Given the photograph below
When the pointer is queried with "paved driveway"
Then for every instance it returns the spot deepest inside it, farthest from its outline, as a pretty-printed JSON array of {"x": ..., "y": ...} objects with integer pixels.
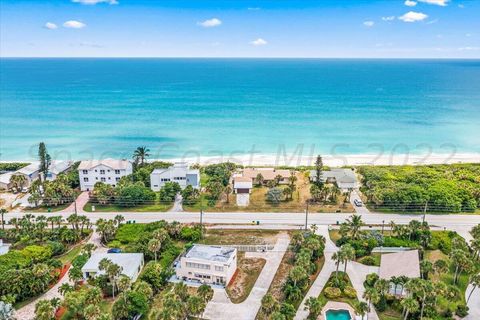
[
  {"x": 81, "y": 201},
  {"x": 359, "y": 210},
  {"x": 220, "y": 307}
]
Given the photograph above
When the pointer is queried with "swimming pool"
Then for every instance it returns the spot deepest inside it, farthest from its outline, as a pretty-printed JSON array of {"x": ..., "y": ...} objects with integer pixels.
[{"x": 338, "y": 315}]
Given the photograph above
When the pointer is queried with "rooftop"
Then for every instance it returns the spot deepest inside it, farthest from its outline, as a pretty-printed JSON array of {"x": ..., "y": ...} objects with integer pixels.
[
  {"x": 31, "y": 168},
  {"x": 405, "y": 263},
  {"x": 178, "y": 168},
  {"x": 267, "y": 173},
  {"x": 210, "y": 253},
  {"x": 128, "y": 261},
  {"x": 5, "y": 177},
  {"x": 57, "y": 167},
  {"x": 111, "y": 163}
]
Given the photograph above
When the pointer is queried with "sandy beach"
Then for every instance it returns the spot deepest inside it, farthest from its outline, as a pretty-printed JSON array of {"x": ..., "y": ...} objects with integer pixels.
[{"x": 334, "y": 160}]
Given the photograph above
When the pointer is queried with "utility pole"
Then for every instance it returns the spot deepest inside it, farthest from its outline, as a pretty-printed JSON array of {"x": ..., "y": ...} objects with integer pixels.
[
  {"x": 383, "y": 225},
  {"x": 201, "y": 223},
  {"x": 306, "y": 218},
  {"x": 425, "y": 211}
]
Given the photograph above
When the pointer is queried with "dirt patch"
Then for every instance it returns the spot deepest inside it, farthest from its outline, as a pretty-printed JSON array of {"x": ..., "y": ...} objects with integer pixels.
[
  {"x": 247, "y": 273},
  {"x": 236, "y": 237}
]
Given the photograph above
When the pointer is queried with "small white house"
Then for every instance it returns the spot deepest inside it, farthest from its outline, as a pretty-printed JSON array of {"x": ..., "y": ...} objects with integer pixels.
[
  {"x": 345, "y": 179},
  {"x": 179, "y": 172},
  {"x": 31, "y": 172},
  {"x": 5, "y": 180},
  {"x": 130, "y": 263},
  {"x": 56, "y": 168},
  {"x": 108, "y": 171},
  {"x": 242, "y": 187},
  {"x": 208, "y": 264}
]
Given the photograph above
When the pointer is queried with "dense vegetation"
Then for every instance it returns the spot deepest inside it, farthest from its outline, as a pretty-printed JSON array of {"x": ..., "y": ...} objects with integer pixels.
[
  {"x": 12, "y": 166},
  {"x": 31, "y": 265},
  {"x": 438, "y": 188},
  {"x": 308, "y": 248}
]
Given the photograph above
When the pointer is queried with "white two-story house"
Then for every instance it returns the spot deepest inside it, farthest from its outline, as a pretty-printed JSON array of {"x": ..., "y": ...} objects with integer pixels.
[
  {"x": 207, "y": 264},
  {"x": 108, "y": 171},
  {"x": 179, "y": 172}
]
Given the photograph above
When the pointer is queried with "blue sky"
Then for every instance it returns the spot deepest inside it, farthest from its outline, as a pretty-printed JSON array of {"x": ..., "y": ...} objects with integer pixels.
[{"x": 231, "y": 28}]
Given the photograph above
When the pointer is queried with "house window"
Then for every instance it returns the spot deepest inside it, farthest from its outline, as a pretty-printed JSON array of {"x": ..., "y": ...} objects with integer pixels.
[
  {"x": 102, "y": 179},
  {"x": 155, "y": 185},
  {"x": 108, "y": 170},
  {"x": 218, "y": 268},
  {"x": 117, "y": 179},
  {"x": 85, "y": 171},
  {"x": 102, "y": 171},
  {"x": 85, "y": 179},
  {"x": 164, "y": 179},
  {"x": 117, "y": 171},
  {"x": 198, "y": 265},
  {"x": 109, "y": 178}
]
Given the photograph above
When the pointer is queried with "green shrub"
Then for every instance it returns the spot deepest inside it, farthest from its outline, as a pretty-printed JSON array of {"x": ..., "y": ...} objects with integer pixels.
[
  {"x": 56, "y": 247},
  {"x": 332, "y": 293},
  {"x": 462, "y": 310},
  {"x": 350, "y": 292},
  {"x": 368, "y": 260},
  {"x": 397, "y": 242},
  {"x": 128, "y": 233},
  {"x": 442, "y": 240}
]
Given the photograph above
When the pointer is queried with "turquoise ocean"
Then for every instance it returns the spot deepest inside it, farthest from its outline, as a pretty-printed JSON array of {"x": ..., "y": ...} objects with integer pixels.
[{"x": 97, "y": 108}]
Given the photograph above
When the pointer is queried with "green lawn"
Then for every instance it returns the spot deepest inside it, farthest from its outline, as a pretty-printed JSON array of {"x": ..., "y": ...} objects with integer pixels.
[{"x": 115, "y": 208}]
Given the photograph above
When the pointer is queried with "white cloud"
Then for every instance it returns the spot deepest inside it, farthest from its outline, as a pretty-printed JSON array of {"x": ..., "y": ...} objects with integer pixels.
[
  {"x": 468, "y": 34},
  {"x": 413, "y": 16},
  {"x": 210, "y": 23},
  {"x": 253, "y": 8},
  {"x": 410, "y": 3},
  {"x": 259, "y": 42},
  {"x": 94, "y": 2},
  {"x": 468, "y": 48},
  {"x": 51, "y": 26},
  {"x": 74, "y": 24},
  {"x": 432, "y": 22},
  {"x": 461, "y": 6},
  {"x": 389, "y": 18},
  {"x": 368, "y": 23},
  {"x": 442, "y": 3}
]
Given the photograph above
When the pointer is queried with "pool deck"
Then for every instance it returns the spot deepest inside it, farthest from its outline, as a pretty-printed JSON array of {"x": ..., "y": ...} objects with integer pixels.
[{"x": 333, "y": 305}]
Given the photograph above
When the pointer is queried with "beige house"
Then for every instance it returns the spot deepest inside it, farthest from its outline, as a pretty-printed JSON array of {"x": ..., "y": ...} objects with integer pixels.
[
  {"x": 268, "y": 174},
  {"x": 207, "y": 264},
  {"x": 398, "y": 264},
  {"x": 242, "y": 187}
]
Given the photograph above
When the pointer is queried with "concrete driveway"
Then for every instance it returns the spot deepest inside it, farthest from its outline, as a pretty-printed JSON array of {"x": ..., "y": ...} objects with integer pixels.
[
  {"x": 80, "y": 202},
  {"x": 358, "y": 210},
  {"x": 220, "y": 307}
]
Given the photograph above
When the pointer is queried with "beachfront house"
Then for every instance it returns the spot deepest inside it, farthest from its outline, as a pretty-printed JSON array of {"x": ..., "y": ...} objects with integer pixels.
[
  {"x": 130, "y": 263},
  {"x": 399, "y": 264},
  {"x": 56, "y": 168},
  {"x": 242, "y": 187},
  {"x": 5, "y": 183},
  {"x": 108, "y": 171},
  {"x": 267, "y": 174},
  {"x": 180, "y": 172},
  {"x": 30, "y": 172},
  {"x": 207, "y": 264},
  {"x": 345, "y": 179}
]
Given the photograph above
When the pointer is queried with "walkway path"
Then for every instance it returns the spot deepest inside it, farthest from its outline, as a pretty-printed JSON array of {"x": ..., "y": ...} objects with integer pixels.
[
  {"x": 220, "y": 307},
  {"x": 357, "y": 273},
  {"x": 81, "y": 201},
  {"x": 27, "y": 312},
  {"x": 177, "y": 205}
]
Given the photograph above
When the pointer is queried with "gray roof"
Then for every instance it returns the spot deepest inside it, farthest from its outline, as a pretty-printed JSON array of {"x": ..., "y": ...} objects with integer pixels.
[
  {"x": 344, "y": 178},
  {"x": 405, "y": 263},
  {"x": 114, "y": 164},
  {"x": 128, "y": 261},
  {"x": 178, "y": 169},
  {"x": 57, "y": 167},
  {"x": 31, "y": 168},
  {"x": 210, "y": 253}
]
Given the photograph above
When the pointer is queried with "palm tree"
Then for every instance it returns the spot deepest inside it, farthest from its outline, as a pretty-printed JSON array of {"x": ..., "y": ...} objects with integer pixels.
[
  {"x": 259, "y": 179},
  {"x": 475, "y": 282},
  {"x": 205, "y": 292},
  {"x": 140, "y": 154},
  {"x": 440, "y": 266},
  {"x": 362, "y": 308},
  {"x": 354, "y": 224},
  {"x": 348, "y": 254},
  {"x": 426, "y": 267},
  {"x": 65, "y": 288},
  {"x": 409, "y": 305},
  {"x": 314, "y": 306},
  {"x": 18, "y": 181},
  {"x": 338, "y": 258},
  {"x": 269, "y": 304},
  {"x": 372, "y": 296},
  {"x": 154, "y": 246},
  {"x": 2, "y": 213}
]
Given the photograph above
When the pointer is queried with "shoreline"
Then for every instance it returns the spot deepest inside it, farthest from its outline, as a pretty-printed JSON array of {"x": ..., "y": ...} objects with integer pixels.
[{"x": 293, "y": 160}]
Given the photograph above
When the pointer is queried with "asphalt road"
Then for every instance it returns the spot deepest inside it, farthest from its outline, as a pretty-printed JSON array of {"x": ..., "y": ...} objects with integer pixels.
[{"x": 452, "y": 221}]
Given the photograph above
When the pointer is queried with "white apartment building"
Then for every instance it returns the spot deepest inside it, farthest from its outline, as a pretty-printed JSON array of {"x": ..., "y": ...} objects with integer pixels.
[
  {"x": 207, "y": 264},
  {"x": 108, "y": 171},
  {"x": 179, "y": 172}
]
